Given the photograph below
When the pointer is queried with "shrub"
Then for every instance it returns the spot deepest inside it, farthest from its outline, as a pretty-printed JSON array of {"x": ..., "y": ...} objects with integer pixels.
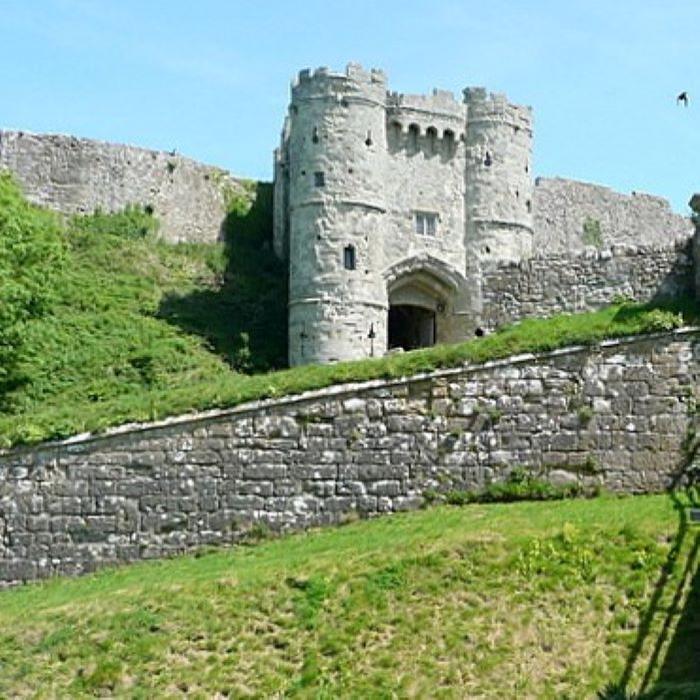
[
  {"x": 520, "y": 485},
  {"x": 31, "y": 255},
  {"x": 663, "y": 320}
]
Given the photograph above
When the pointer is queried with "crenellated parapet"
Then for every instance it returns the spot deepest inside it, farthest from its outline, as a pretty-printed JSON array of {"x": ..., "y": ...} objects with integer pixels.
[
  {"x": 495, "y": 107},
  {"x": 438, "y": 113},
  {"x": 355, "y": 83}
]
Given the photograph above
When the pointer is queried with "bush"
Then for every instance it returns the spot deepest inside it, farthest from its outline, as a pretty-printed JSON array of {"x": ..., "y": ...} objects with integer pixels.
[
  {"x": 662, "y": 320},
  {"x": 132, "y": 222},
  {"x": 520, "y": 485},
  {"x": 31, "y": 255}
]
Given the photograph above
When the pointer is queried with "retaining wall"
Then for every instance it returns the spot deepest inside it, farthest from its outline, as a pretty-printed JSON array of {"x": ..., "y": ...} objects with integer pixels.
[{"x": 616, "y": 414}]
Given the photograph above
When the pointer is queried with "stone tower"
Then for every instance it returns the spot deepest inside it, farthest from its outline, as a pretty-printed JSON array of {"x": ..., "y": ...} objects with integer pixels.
[
  {"x": 335, "y": 163},
  {"x": 389, "y": 206},
  {"x": 499, "y": 186}
]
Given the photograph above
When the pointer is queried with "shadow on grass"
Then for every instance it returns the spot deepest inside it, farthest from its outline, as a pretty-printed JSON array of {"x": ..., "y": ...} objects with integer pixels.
[
  {"x": 245, "y": 319},
  {"x": 678, "y": 640}
]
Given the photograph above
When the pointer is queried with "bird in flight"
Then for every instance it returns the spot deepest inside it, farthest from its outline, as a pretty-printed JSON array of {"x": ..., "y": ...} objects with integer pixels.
[{"x": 683, "y": 97}]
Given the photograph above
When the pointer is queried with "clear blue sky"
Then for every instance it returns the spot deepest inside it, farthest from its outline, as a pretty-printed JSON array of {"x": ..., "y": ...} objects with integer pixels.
[{"x": 211, "y": 77}]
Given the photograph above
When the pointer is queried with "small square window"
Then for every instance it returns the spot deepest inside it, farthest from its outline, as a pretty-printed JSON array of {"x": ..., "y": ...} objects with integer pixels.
[
  {"x": 426, "y": 223},
  {"x": 319, "y": 179}
]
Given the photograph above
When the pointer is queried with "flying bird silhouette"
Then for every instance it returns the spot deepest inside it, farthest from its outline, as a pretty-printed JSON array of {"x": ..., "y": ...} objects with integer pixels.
[{"x": 683, "y": 97}]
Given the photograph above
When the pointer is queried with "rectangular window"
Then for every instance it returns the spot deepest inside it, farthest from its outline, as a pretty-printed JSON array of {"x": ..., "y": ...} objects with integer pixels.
[
  {"x": 426, "y": 223},
  {"x": 349, "y": 257},
  {"x": 319, "y": 179}
]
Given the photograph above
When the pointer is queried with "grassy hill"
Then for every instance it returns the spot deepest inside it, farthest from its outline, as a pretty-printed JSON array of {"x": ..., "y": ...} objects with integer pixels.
[
  {"x": 137, "y": 329},
  {"x": 571, "y": 599}
]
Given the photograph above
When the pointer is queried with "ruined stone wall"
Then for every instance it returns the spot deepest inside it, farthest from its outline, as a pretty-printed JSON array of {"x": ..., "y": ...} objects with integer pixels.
[
  {"x": 616, "y": 415},
  {"x": 562, "y": 207},
  {"x": 584, "y": 282},
  {"x": 74, "y": 175}
]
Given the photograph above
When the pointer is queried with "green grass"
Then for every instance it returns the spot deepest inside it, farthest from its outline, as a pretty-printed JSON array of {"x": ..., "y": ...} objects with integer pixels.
[
  {"x": 558, "y": 600},
  {"x": 138, "y": 329},
  {"x": 101, "y": 366}
]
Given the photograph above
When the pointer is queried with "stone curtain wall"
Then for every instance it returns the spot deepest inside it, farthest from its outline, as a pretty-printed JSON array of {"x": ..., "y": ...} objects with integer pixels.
[
  {"x": 561, "y": 208},
  {"x": 74, "y": 175},
  {"x": 585, "y": 282},
  {"x": 615, "y": 414}
]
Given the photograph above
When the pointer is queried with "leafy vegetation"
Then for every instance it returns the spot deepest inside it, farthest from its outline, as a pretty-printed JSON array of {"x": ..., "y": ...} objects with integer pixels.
[
  {"x": 593, "y": 598},
  {"x": 31, "y": 256},
  {"x": 123, "y": 327},
  {"x": 520, "y": 485},
  {"x": 133, "y": 222}
]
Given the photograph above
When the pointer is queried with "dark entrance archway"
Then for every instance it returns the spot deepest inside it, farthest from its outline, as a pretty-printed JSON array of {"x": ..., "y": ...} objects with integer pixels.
[{"x": 411, "y": 327}]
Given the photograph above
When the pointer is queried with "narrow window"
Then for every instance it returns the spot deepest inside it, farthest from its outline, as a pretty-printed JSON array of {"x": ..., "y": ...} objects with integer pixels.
[
  {"x": 426, "y": 223},
  {"x": 314, "y": 136},
  {"x": 487, "y": 160},
  {"x": 349, "y": 261},
  {"x": 528, "y": 205},
  {"x": 319, "y": 179},
  {"x": 368, "y": 140}
]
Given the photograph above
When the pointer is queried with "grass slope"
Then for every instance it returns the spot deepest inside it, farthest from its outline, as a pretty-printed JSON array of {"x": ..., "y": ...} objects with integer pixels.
[
  {"x": 98, "y": 367},
  {"x": 558, "y": 600}
]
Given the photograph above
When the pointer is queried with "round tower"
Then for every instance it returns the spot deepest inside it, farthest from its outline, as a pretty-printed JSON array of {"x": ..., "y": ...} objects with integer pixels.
[
  {"x": 499, "y": 186},
  {"x": 336, "y": 164}
]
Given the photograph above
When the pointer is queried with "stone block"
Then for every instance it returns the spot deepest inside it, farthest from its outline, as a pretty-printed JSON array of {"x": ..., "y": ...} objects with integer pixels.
[
  {"x": 256, "y": 488},
  {"x": 265, "y": 471}
]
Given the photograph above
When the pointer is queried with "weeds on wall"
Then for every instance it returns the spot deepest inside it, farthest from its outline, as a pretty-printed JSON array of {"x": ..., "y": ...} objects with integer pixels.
[
  {"x": 592, "y": 234},
  {"x": 520, "y": 485}
]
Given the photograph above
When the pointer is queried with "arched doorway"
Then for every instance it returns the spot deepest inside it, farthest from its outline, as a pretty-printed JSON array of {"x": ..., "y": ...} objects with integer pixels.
[
  {"x": 411, "y": 327},
  {"x": 423, "y": 294}
]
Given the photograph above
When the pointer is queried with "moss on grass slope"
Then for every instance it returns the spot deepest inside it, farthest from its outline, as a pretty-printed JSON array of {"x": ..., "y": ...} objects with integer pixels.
[{"x": 565, "y": 599}]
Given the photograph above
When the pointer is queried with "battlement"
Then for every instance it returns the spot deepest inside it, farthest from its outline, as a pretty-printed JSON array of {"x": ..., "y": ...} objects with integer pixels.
[
  {"x": 439, "y": 102},
  {"x": 324, "y": 82},
  {"x": 494, "y": 106}
]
